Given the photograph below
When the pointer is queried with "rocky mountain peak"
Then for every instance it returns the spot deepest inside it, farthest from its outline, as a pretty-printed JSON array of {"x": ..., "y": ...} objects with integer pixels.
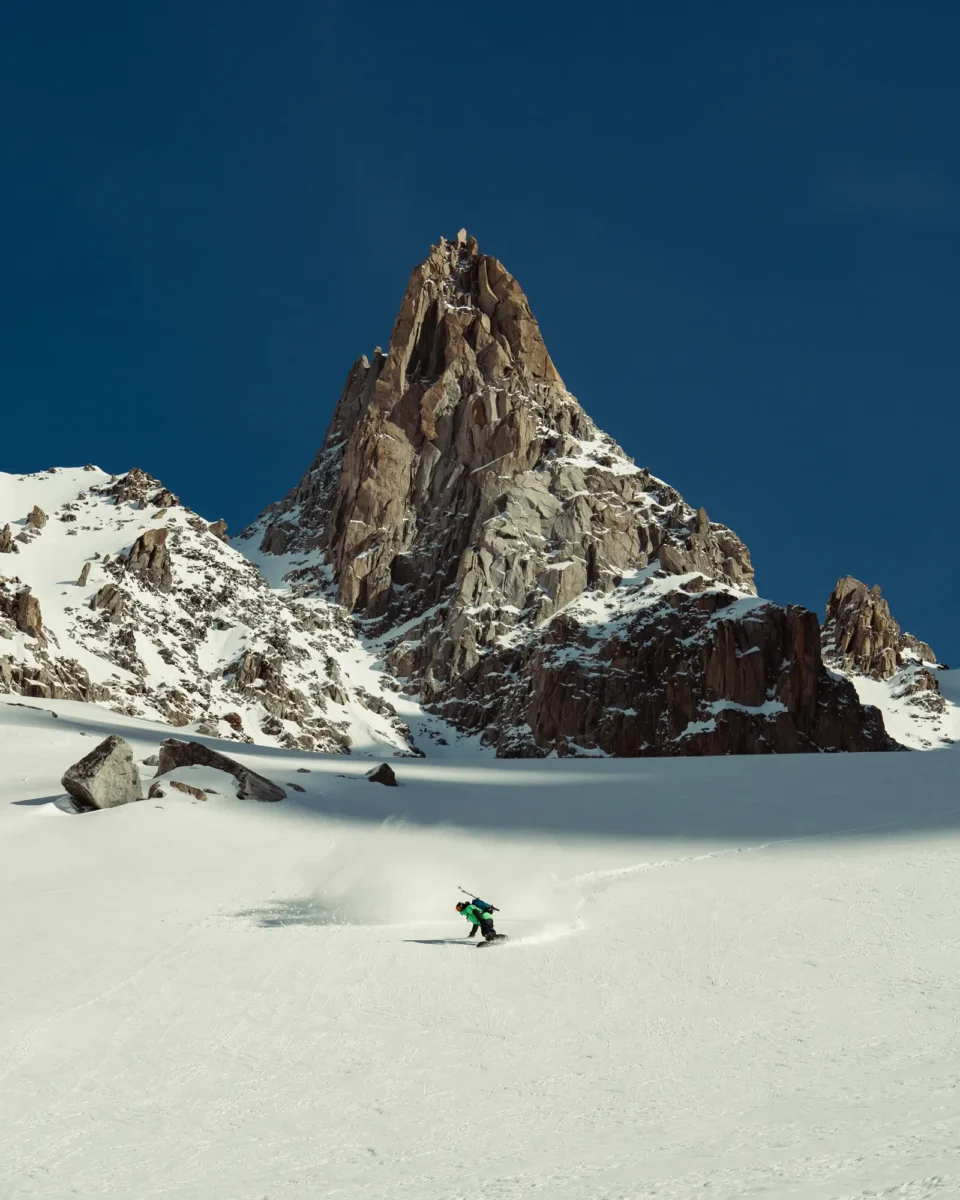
[
  {"x": 861, "y": 635},
  {"x": 521, "y": 575},
  {"x": 862, "y": 640}
]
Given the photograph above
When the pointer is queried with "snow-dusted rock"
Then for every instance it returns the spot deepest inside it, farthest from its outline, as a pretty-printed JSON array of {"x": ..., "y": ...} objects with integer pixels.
[
  {"x": 890, "y": 669},
  {"x": 106, "y": 777},
  {"x": 20, "y": 606},
  {"x": 467, "y": 554},
  {"x": 174, "y": 754},
  {"x": 524, "y": 578},
  {"x": 149, "y": 559},
  {"x": 221, "y": 646}
]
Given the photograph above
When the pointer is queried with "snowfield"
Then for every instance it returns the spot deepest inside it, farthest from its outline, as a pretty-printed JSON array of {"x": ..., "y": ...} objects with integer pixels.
[{"x": 726, "y": 978}]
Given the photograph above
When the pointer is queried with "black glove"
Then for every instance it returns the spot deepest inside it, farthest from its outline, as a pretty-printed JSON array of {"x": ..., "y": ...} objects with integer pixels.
[{"x": 473, "y": 931}]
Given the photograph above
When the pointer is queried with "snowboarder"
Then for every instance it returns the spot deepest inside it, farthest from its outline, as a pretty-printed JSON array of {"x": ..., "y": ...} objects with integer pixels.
[{"x": 479, "y": 914}]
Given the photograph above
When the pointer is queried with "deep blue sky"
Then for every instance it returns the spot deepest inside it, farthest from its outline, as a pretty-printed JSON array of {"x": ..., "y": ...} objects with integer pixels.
[{"x": 737, "y": 224}]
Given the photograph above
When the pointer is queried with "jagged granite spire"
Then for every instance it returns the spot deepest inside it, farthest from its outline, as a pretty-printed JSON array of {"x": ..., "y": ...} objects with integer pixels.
[{"x": 528, "y": 579}]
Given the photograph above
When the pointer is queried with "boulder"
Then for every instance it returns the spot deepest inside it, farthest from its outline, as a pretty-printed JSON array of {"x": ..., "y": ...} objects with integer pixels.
[
  {"x": 106, "y": 777},
  {"x": 36, "y": 518},
  {"x": 219, "y": 530},
  {"x": 7, "y": 544},
  {"x": 384, "y": 774},
  {"x": 152, "y": 760},
  {"x": 84, "y": 575},
  {"x": 174, "y": 753}
]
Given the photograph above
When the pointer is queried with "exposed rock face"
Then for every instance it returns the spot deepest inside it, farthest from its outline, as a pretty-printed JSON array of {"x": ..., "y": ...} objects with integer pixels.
[
  {"x": 50, "y": 679},
  {"x": 862, "y": 640},
  {"x": 21, "y": 607},
  {"x": 139, "y": 488},
  {"x": 704, "y": 674},
  {"x": 106, "y": 777},
  {"x": 36, "y": 518},
  {"x": 252, "y": 786},
  {"x": 149, "y": 560},
  {"x": 553, "y": 595},
  {"x": 7, "y": 543},
  {"x": 219, "y": 529},
  {"x": 27, "y": 616},
  {"x": 861, "y": 635},
  {"x": 110, "y": 600},
  {"x": 218, "y": 641}
]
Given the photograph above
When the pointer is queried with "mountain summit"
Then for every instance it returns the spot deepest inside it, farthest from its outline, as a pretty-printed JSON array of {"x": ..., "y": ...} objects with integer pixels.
[
  {"x": 468, "y": 556},
  {"x": 523, "y": 577}
]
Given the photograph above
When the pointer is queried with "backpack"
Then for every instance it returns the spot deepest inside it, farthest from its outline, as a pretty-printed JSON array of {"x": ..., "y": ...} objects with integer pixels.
[{"x": 482, "y": 905}]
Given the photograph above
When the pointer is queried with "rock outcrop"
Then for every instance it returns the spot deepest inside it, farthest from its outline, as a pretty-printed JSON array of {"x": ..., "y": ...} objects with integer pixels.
[
  {"x": 860, "y": 634},
  {"x": 251, "y": 786},
  {"x": 526, "y": 580},
  {"x": 7, "y": 543},
  {"x": 862, "y": 641},
  {"x": 106, "y": 777},
  {"x": 149, "y": 560},
  {"x": 109, "y": 600},
  {"x": 20, "y": 606},
  {"x": 173, "y": 624},
  {"x": 36, "y": 518}
]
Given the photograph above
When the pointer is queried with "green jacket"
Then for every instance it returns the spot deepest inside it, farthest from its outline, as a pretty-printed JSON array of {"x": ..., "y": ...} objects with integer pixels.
[{"x": 474, "y": 915}]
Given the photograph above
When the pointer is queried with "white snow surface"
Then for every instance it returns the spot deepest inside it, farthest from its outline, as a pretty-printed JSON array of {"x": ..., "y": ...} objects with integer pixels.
[{"x": 725, "y": 977}]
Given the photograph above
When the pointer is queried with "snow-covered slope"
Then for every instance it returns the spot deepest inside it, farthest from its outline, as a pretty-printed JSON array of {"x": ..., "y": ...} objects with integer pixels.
[
  {"x": 917, "y": 715},
  {"x": 728, "y": 977},
  {"x": 144, "y": 607}
]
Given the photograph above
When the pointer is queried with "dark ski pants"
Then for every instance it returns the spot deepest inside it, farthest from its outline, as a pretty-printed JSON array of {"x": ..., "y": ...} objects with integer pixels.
[{"x": 488, "y": 931}]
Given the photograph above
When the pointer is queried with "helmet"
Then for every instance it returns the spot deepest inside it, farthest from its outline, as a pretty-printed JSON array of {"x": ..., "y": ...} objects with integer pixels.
[{"x": 461, "y": 905}]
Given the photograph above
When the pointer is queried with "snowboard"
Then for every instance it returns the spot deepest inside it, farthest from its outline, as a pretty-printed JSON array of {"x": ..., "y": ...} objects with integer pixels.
[{"x": 501, "y": 937}]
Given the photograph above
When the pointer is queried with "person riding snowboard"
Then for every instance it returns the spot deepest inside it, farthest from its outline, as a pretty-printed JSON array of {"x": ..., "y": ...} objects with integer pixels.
[{"x": 480, "y": 917}]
